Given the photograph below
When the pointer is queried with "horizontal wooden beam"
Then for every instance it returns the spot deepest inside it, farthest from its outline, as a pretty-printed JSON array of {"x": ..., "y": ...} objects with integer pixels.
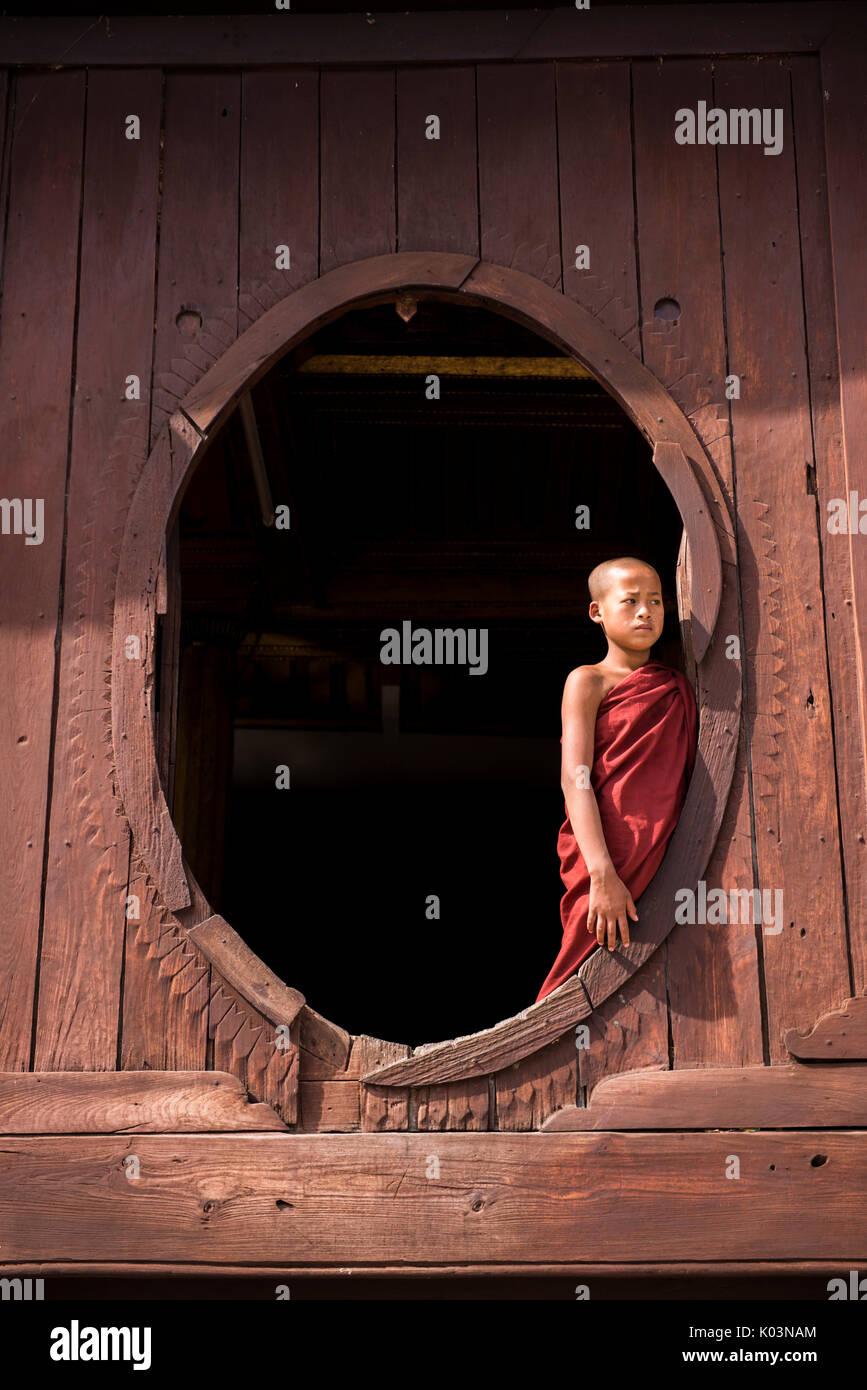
[
  {"x": 614, "y": 1269},
  {"x": 475, "y": 36},
  {"x": 429, "y": 1199},
  {"x": 128, "y": 1102},
  {"x": 796, "y": 1096},
  {"x": 407, "y": 364}
]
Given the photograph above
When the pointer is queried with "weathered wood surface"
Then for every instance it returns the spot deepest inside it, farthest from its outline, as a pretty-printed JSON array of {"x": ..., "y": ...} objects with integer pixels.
[
  {"x": 797, "y": 1096},
  {"x": 491, "y": 1049},
  {"x": 518, "y": 206},
  {"x": 844, "y": 102},
  {"x": 382, "y": 1108},
  {"x": 840, "y": 1034},
  {"x": 506, "y": 35},
  {"x": 531, "y": 1090},
  {"x": 437, "y": 199},
  {"x": 711, "y": 997},
  {"x": 128, "y": 1102},
  {"x": 36, "y": 355},
  {"x": 247, "y": 1044},
  {"x": 518, "y": 1198},
  {"x": 279, "y": 196},
  {"x": 638, "y": 1269},
  {"x": 89, "y": 850},
  {"x": 597, "y": 209},
  {"x": 797, "y": 844},
  {"x": 357, "y": 167},
  {"x": 243, "y": 969}
]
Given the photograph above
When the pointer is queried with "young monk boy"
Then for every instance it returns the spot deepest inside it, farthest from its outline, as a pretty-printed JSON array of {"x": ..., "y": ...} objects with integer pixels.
[{"x": 629, "y": 728}]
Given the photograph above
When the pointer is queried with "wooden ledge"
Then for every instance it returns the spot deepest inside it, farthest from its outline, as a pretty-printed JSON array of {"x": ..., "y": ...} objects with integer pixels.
[
  {"x": 839, "y": 1035},
  {"x": 781, "y": 1097},
  {"x": 129, "y": 1102}
]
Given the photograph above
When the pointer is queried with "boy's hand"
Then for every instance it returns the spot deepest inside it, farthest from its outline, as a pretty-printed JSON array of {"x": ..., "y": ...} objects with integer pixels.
[{"x": 611, "y": 906}]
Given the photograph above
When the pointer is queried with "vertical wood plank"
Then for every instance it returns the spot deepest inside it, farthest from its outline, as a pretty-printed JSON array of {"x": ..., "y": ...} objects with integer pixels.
[
  {"x": 357, "y": 163},
  {"x": 88, "y": 860},
  {"x": 36, "y": 356},
  {"x": 597, "y": 207},
  {"x": 845, "y": 106},
  {"x": 437, "y": 200},
  {"x": 458, "y": 1105},
  {"x": 532, "y": 1089},
  {"x": 787, "y": 699},
  {"x": 197, "y": 290},
  {"x": 165, "y": 1007},
  {"x": 279, "y": 203},
  {"x": 713, "y": 971},
  {"x": 382, "y": 1107},
  {"x": 518, "y": 169}
]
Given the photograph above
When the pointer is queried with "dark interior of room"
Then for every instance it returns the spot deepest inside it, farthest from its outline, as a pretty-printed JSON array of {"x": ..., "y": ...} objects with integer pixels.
[{"x": 406, "y": 782}]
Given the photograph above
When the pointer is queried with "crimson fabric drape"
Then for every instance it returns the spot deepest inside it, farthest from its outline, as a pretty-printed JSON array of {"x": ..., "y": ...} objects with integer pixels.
[{"x": 643, "y": 758}]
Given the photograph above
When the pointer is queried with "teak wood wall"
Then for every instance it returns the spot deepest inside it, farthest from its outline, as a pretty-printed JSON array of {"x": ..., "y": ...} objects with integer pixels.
[{"x": 107, "y": 241}]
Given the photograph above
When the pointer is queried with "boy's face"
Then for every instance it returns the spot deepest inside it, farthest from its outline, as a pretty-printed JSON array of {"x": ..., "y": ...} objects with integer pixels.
[{"x": 631, "y": 610}]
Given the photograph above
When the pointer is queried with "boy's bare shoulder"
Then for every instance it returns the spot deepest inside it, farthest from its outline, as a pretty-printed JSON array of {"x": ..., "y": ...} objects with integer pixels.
[{"x": 583, "y": 685}]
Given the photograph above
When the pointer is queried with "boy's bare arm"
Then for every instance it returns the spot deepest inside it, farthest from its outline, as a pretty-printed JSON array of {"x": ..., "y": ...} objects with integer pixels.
[{"x": 611, "y": 903}]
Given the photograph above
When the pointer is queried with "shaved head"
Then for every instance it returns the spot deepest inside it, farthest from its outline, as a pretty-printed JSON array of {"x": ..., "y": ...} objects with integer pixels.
[{"x": 601, "y": 578}]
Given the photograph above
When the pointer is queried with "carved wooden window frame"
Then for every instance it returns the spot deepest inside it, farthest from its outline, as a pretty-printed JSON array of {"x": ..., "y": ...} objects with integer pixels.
[{"x": 706, "y": 577}]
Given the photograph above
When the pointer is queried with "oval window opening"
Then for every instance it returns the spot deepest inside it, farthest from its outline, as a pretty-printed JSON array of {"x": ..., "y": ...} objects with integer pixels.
[{"x": 383, "y": 833}]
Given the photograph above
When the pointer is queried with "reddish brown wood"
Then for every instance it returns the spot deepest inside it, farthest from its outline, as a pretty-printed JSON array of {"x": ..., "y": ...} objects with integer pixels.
[
  {"x": 279, "y": 196},
  {"x": 198, "y": 252},
  {"x": 538, "y": 1086},
  {"x": 839, "y": 1035},
  {"x": 460, "y": 1105},
  {"x": 518, "y": 170},
  {"x": 776, "y": 1097},
  {"x": 371, "y": 1198},
  {"x": 639, "y": 1269},
  {"x": 414, "y": 37},
  {"x": 357, "y": 164},
  {"x": 249, "y": 1046},
  {"x": 382, "y": 1108},
  {"x": 597, "y": 209},
  {"x": 789, "y": 723},
  {"x": 330, "y": 1106},
  {"x": 35, "y": 367},
  {"x": 842, "y": 85},
  {"x": 128, "y": 1102},
  {"x": 627, "y": 1030},
  {"x": 437, "y": 200},
  {"x": 88, "y": 859},
  {"x": 712, "y": 977},
  {"x": 677, "y": 453},
  {"x": 249, "y": 975}
]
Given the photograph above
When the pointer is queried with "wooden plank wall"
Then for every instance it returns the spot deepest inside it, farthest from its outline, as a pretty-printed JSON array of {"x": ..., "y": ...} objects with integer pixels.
[{"x": 534, "y": 160}]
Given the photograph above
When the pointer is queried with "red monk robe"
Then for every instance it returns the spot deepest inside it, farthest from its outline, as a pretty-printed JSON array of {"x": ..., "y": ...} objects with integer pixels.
[{"x": 642, "y": 762}]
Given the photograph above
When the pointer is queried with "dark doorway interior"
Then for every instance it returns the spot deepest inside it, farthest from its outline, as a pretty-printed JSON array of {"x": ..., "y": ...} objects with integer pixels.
[{"x": 406, "y": 782}]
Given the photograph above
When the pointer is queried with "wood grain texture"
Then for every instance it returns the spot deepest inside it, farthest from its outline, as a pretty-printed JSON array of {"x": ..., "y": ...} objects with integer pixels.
[
  {"x": 797, "y": 842},
  {"x": 382, "y": 1108},
  {"x": 36, "y": 356},
  {"x": 597, "y": 208},
  {"x": 531, "y": 1090},
  {"x": 128, "y": 1102},
  {"x": 357, "y": 212},
  {"x": 712, "y": 973},
  {"x": 197, "y": 278},
  {"x": 437, "y": 198},
  {"x": 843, "y": 102},
  {"x": 459, "y": 1105},
  {"x": 839, "y": 1035},
  {"x": 522, "y": 1198},
  {"x": 279, "y": 197},
  {"x": 777, "y": 1097},
  {"x": 330, "y": 1106},
  {"x": 88, "y": 854},
  {"x": 249, "y": 1046},
  {"x": 518, "y": 170},
  {"x": 243, "y": 969},
  {"x": 417, "y": 37}
]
